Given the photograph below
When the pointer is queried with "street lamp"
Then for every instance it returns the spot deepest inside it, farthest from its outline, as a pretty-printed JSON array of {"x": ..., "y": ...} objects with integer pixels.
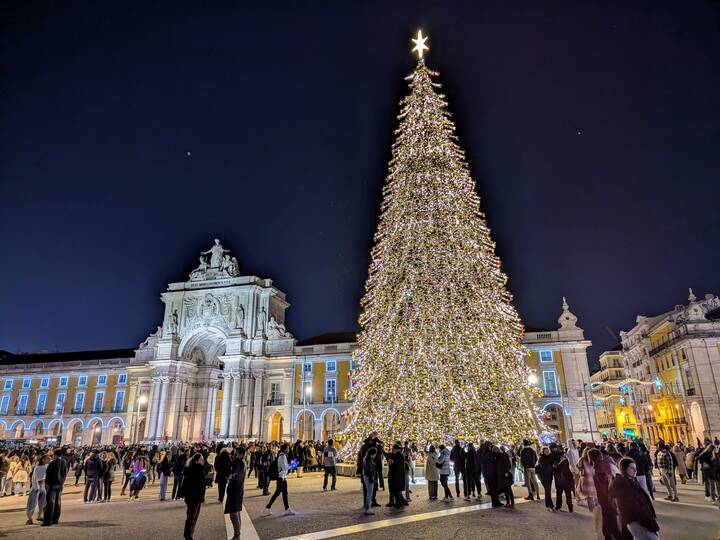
[
  {"x": 532, "y": 379},
  {"x": 141, "y": 400}
]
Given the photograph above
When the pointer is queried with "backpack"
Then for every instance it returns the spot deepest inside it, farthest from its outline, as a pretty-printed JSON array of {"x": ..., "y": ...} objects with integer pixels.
[{"x": 273, "y": 470}]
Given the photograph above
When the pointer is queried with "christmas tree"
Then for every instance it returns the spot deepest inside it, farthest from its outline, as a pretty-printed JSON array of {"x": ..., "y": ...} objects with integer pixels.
[{"x": 439, "y": 355}]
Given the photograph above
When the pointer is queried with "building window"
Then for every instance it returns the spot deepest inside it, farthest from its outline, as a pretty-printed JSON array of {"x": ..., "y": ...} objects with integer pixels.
[
  {"x": 122, "y": 378},
  {"x": 8, "y": 384},
  {"x": 102, "y": 380},
  {"x": 45, "y": 382},
  {"x": 79, "y": 402},
  {"x": 41, "y": 403},
  {"x": 306, "y": 396},
  {"x": 331, "y": 390},
  {"x": 98, "y": 403},
  {"x": 307, "y": 367},
  {"x": 63, "y": 382},
  {"x": 119, "y": 401},
  {"x": 22, "y": 405},
  {"x": 60, "y": 402},
  {"x": 550, "y": 383},
  {"x": 274, "y": 392},
  {"x": 27, "y": 383},
  {"x": 331, "y": 365},
  {"x": 546, "y": 357},
  {"x": 4, "y": 404},
  {"x": 82, "y": 380}
]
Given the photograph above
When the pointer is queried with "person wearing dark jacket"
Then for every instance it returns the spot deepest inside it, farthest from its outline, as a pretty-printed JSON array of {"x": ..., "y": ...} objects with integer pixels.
[
  {"x": 192, "y": 490},
  {"x": 528, "y": 460},
  {"x": 222, "y": 471},
  {"x": 178, "y": 468},
  {"x": 93, "y": 474},
  {"x": 54, "y": 481},
  {"x": 545, "y": 471},
  {"x": 235, "y": 488},
  {"x": 564, "y": 481},
  {"x": 457, "y": 456},
  {"x": 396, "y": 477},
  {"x": 371, "y": 442},
  {"x": 641, "y": 463},
  {"x": 504, "y": 469},
  {"x": 637, "y": 515},
  {"x": 472, "y": 477},
  {"x": 489, "y": 472},
  {"x": 165, "y": 470}
]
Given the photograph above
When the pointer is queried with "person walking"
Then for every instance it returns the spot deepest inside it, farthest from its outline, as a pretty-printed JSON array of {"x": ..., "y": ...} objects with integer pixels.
[
  {"x": 178, "y": 469},
  {"x": 37, "y": 490},
  {"x": 21, "y": 476},
  {"x": 266, "y": 458},
  {"x": 278, "y": 472},
  {"x": 545, "y": 470},
  {"x": 641, "y": 464},
  {"x": 235, "y": 489},
  {"x": 443, "y": 463},
  {"x": 432, "y": 474},
  {"x": 637, "y": 515},
  {"x": 192, "y": 490},
  {"x": 666, "y": 465},
  {"x": 127, "y": 471},
  {"x": 564, "y": 482},
  {"x": 164, "y": 470},
  {"x": 55, "y": 475},
  {"x": 92, "y": 477},
  {"x": 604, "y": 469},
  {"x": 528, "y": 461},
  {"x": 329, "y": 457},
  {"x": 222, "y": 471},
  {"x": 587, "y": 490},
  {"x": 369, "y": 479}
]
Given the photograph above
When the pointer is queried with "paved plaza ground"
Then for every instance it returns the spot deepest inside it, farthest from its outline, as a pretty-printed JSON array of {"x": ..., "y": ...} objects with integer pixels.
[{"x": 338, "y": 514}]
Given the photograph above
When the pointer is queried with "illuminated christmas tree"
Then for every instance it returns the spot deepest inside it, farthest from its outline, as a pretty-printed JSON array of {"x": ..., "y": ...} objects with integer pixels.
[{"x": 439, "y": 355}]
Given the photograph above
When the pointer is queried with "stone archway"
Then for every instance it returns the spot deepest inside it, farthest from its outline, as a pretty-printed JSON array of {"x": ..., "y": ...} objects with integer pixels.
[
  {"x": 18, "y": 429},
  {"x": 275, "y": 427},
  {"x": 37, "y": 428},
  {"x": 555, "y": 420},
  {"x": 75, "y": 432},
  {"x": 330, "y": 424},
  {"x": 96, "y": 432}
]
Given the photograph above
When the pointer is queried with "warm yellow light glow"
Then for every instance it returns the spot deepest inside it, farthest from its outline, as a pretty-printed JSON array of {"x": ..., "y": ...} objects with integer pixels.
[
  {"x": 308, "y": 390},
  {"x": 143, "y": 399},
  {"x": 649, "y": 407},
  {"x": 532, "y": 378},
  {"x": 420, "y": 46}
]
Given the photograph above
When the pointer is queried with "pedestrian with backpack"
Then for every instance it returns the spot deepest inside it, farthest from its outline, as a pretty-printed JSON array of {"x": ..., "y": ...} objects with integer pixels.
[{"x": 278, "y": 471}]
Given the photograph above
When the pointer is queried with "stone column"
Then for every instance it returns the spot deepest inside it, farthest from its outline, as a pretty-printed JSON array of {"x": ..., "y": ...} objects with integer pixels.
[
  {"x": 162, "y": 407},
  {"x": 210, "y": 412},
  {"x": 245, "y": 406},
  {"x": 131, "y": 412},
  {"x": 257, "y": 408},
  {"x": 225, "y": 411},
  {"x": 152, "y": 408},
  {"x": 234, "y": 406},
  {"x": 172, "y": 408}
]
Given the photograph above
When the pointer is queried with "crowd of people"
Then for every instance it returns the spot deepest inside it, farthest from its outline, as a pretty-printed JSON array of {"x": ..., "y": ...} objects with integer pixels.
[{"x": 613, "y": 480}]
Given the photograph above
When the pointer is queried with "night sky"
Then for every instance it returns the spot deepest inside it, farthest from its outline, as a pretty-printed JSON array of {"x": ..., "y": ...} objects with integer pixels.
[{"x": 131, "y": 136}]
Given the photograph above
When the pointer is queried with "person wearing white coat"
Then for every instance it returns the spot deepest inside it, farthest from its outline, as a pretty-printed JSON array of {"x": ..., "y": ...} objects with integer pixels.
[{"x": 443, "y": 463}]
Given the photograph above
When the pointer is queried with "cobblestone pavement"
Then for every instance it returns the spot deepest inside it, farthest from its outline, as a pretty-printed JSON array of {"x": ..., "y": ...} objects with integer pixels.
[{"x": 338, "y": 514}]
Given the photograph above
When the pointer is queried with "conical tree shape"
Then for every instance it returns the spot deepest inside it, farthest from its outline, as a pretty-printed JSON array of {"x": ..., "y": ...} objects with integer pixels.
[{"x": 439, "y": 356}]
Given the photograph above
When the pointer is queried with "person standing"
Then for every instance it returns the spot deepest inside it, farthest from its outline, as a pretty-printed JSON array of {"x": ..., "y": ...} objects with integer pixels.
[
  {"x": 92, "y": 477},
  {"x": 164, "y": 470},
  {"x": 679, "y": 453},
  {"x": 564, "y": 482},
  {"x": 666, "y": 465},
  {"x": 443, "y": 463},
  {"x": 371, "y": 442},
  {"x": 266, "y": 458},
  {"x": 127, "y": 472},
  {"x": 55, "y": 475},
  {"x": 528, "y": 461},
  {"x": 469, "y": 482},
  {"x": 222, "y": 471},
  {"x": 369, "y": 479},
  {"x": 545, "y": 470},
  {"x": 192, "y": 490},
  {"x": 235, "y": 489},
  {"x": 641, "y": 463},
  {"x": 457, "y": 457},
  {"x": 396, "y": 477},
  {"x": 505, "y": 476},
  {"x": 431, "y": 472},
  {"x": 37, "y": 490},
  {"x": 279, "y": 470},
  {"x": 329, "y": 457},
  {"x": 637, "y": 515},
  {"x": 489, "y": 472},
  {"x": 108, "y": 475}
]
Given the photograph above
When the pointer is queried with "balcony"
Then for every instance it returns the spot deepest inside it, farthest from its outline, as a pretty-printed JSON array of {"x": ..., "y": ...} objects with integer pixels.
[
  {"x": 666, "y": 341},
  {"x": 97, "y": 410},
  {"x": 77, "y": 410},
  {"x": 20, "y": 412},
  {"x": 275, "y": 401},
  {"x": 38, "y": 412},
  {"x": 117, "y": 409}
]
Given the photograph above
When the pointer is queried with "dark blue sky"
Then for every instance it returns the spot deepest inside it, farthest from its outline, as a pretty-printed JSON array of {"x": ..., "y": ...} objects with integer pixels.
[{"x": 593, "y": 133}]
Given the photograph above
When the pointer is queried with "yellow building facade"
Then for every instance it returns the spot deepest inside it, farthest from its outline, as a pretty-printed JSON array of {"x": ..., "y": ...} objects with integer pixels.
[{"x": 612, "y": 399}]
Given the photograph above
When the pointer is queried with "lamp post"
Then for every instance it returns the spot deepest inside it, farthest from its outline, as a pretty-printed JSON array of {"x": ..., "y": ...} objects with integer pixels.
[
  {"x": 60, "y": 414},
  {"x": 306, "y": 392},
  {"x": 141, "y": 400}
]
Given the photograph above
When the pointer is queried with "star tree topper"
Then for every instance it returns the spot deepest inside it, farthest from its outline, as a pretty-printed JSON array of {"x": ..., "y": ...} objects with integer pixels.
[{"x": 420, "y": 46}]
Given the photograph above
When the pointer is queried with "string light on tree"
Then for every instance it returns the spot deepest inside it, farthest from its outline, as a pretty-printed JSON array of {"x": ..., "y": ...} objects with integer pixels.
[{"x": 439, "y": 355}]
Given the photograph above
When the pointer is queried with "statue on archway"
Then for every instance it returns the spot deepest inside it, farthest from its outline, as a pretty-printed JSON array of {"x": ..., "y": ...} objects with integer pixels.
[{"x": 216, "y": 254}]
